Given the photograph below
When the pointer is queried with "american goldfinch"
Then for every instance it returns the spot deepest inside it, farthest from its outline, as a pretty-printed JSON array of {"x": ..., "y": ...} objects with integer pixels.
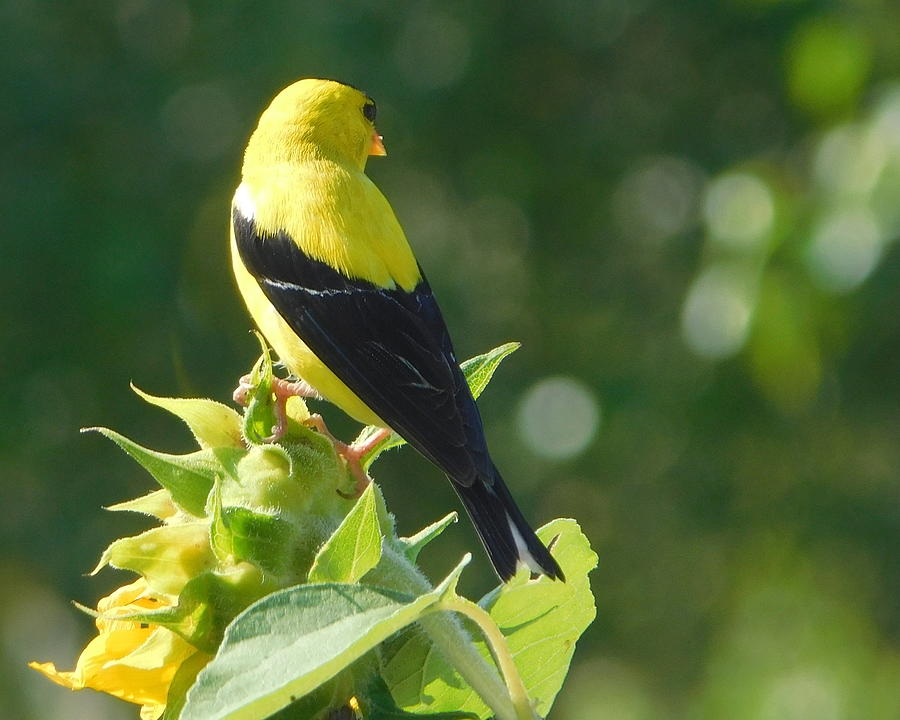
[{"x": 328, "y": 276}]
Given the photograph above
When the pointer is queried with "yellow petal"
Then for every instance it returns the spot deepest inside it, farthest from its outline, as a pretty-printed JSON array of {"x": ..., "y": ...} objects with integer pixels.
[
  {"x": 129, "y": 660},
  {"x": 128, "y": 600},
  {"x": 162, "y": 648},
  {"x": 123, "y": 596},
  {"x": 97, "y": 669},
  {"x": 66, "y": 679}
]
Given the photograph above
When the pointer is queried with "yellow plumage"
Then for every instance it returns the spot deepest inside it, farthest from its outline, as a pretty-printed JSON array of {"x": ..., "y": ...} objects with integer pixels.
[{"x": 310, "y": 184}]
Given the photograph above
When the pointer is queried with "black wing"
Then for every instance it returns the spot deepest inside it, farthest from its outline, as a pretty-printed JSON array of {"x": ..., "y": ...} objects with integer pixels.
[{"x": 390, "y": 347}]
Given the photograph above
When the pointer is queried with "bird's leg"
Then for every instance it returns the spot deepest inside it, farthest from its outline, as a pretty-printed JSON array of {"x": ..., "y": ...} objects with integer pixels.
[
  {"x": 242, "y": 391},
  {"x": 370, "y": 442},
  {"x": 354, "y": 454},
  {"x": 282, "y": 389},
  {"x": 317, "y": 422}
]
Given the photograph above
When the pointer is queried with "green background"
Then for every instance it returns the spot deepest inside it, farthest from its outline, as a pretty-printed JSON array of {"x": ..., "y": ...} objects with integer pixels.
[{"x": 685, "y": 211}]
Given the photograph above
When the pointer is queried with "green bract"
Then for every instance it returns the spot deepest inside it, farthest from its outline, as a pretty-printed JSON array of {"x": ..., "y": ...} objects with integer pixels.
[{"x": 308, "y": 599}]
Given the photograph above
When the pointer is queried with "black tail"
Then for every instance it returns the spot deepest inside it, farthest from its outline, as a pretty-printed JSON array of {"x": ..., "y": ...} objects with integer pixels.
[{"x": 504, "y": 531}]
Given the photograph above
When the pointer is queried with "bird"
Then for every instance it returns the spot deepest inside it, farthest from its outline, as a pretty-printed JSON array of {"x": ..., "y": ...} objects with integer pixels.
[{"x": 331, "y": 281}]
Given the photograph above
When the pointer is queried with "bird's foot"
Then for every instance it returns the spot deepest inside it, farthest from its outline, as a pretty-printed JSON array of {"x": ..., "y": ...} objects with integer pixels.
[
  {"x": 364, "y": 446},
  {"x": 354, "y": 454},
  {"x": 283, "y": 390},
  {"x": 241, "y": 393}
]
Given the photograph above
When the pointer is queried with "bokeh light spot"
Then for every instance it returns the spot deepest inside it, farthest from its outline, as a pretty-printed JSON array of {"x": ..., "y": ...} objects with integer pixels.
[
  {"x": 738, "y": 210},
  {"x": 845, "y": 248},
  {"x": 850, "y": 159},
  {"x": 658, "y": 199},
  {"x": 558, "y": 417},
  {"x": 801, "y": 695},
  {"x": 715, "y": 318},
  {"x": 887, "y": 119}
]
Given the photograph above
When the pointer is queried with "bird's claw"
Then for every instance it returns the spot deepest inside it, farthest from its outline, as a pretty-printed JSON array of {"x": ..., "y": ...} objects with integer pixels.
[
  {"x": 282, "y": 390},
  {"x": 242, "y": 391},
  {"x": 352, "y": 454}
]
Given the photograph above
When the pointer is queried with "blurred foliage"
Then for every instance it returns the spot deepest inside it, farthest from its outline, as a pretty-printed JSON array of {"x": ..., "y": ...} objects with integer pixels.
[{"x": 685, "y": 211}]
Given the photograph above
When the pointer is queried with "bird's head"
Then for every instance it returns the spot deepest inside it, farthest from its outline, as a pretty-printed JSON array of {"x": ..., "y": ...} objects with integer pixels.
[{"x": 317, "y": 118}]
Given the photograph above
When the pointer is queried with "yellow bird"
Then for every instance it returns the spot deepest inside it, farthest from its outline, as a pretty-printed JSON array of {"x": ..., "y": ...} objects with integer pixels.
[{"x": 330, "y": 279}]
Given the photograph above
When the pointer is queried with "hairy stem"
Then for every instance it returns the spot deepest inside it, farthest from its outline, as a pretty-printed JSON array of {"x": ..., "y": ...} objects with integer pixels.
[
  {"x": 450, "y": 637},
  {"x": 499, "y": 649}
]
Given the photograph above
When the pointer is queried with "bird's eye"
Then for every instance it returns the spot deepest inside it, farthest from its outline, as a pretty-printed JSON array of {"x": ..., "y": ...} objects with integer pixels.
[{"x": 369, "y": 110}]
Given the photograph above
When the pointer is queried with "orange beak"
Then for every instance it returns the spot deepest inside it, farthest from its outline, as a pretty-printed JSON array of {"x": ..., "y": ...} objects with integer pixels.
[{"x": 377, "y": 146}]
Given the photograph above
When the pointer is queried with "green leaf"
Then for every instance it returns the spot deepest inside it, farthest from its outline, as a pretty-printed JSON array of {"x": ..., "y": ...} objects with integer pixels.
[
  {"x": 413, "y": 545},
  {"x": 292, "y": 641},
  {"x": 541, "y": 620},
  {"x": 157, "y": 504},
  {"x": 478, "y": 372},
  {"x": 168, "y": 556},
  {"x": 212, "y": 423},
  {"x": 480, "y": 369},
  {"x": 188, "y": 478},
  {"x": 259, "y": 415},
  {"x": 379, "y": 705},
  {"x": 354, "y": 548}
]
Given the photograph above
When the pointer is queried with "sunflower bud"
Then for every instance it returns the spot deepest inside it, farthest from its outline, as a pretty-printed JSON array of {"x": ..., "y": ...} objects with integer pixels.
[{"x": 239, "y": 518}]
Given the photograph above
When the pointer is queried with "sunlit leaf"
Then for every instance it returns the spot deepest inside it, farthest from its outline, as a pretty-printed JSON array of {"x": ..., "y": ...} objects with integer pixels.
[
  {"x": 188, "y": 478},
  {"x": 354, "y": 548},
  {"x": 541, "y": 619},
  {"x": 168, "y": 556},
  {"x": 413, "y": 545},
  {"x": 480, "y": 369},
  {"x": 212, "y": 423},
  {"x": 292, "y": 641},
  {"x": 157, "y": 504},
  {"x": 379, "y": 705}
]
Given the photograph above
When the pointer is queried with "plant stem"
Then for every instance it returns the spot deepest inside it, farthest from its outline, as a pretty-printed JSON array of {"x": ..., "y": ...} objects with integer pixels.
[
  {"x": 449, "y": 636},
  {"x": 499, "y": 649},
  {"x": 455, "y": 644}
]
